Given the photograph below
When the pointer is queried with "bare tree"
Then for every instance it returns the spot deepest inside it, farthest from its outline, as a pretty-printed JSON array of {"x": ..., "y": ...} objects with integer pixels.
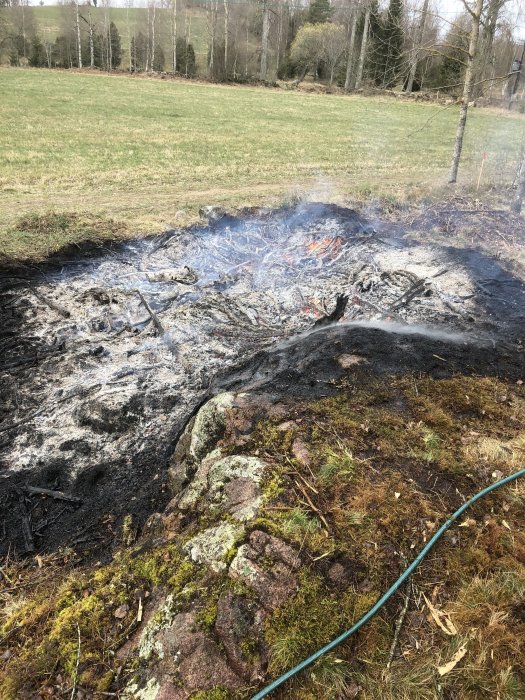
[
  {"x": 264, "y": 40},
  {"x": 333, "y": 46},
  {"x": 362, "y": 53},
  {"x": 77, "y": 27},
  {"x": 174, "y": 35},
  {"x": 128, "y": 5},
  {"x": 351, "y": 46},
  {"x": 153, "y": 13},
  {"x": 226, "y": 32},
  {"x": 467, "y": 86},
  {"x": 417, "y": 46}
]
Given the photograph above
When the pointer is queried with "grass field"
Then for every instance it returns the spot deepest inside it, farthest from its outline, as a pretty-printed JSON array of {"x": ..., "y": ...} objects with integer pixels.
[{"x": 149, "y": 153}]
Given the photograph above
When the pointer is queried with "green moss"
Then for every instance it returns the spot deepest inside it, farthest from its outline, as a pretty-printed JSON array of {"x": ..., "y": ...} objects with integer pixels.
[
  {"x": 272, "y": 487},
  {"x": 314, "y": 616},
  {"x": 46, "y": 630}
]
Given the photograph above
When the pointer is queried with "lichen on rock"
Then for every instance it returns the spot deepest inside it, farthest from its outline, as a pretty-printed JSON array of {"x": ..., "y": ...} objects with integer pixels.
[{"x": 211, "y": 546}]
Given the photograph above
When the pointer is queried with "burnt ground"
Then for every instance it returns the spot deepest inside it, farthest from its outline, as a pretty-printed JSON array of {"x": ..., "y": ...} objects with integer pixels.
[{"x": 113, "y": 456}]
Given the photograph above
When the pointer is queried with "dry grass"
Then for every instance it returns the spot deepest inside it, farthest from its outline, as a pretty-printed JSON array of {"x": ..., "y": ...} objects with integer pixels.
[
  {"x": 149, "y": 153},
  {"x": 411, "y": 443}
]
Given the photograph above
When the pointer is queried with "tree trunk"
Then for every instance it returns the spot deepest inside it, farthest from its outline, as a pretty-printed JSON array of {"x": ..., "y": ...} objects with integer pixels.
[
  {"x": 279, "y": 38},
  {"x": 129, "y": 34},
  {"x": 486, "y": 44},
  {"x": 79, "y": 45},
  {"x": 417, "y": 46},
  {"x": 174, "y": 36},
  {"x": 246, "y": 50},
  {"x": 211, "y": 37},
  {"x": 351, "y": 44},
  {"x": 467, "y": 90},
  {"x": 148, "y": 50},
  {"x": 153, "y": 37},
  {"x": 364, "y": 42},
  {"x": 110, "y": 49},
  {"x": 226, "y": 30},
  {"x": 517, "y": 202},
  {"x": 264, "y": 42},
  {"x": 91, "y": 41},
  {"x": 187, "y": 40}
]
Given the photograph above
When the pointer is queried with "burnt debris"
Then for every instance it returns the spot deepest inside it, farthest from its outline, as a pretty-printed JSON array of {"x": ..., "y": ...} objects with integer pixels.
[{"x": 104, "y": 358}]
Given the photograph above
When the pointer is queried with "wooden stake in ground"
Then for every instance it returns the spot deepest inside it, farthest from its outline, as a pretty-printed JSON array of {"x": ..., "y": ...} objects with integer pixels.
[
  {"x": 483, "y": 159},
  {"x": 517, "y": 202},
  {"x": 467, "y": 87}
]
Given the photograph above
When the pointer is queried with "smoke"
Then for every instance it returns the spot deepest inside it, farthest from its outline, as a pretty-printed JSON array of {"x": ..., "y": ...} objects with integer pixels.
[{"x": 387, "y": 327}]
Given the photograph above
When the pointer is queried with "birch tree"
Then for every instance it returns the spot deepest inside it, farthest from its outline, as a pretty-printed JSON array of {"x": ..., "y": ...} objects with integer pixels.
[
  {"x": 467, "y": 86},
  {"x": 77, "y": 27}
]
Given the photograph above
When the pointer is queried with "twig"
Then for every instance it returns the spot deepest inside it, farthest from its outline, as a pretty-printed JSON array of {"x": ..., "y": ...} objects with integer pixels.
[
  {"x": 399, "y": 625},
  {"x": 57, "y": 495},
  {"x": 312, "y": 506},
  {"x": 52, "y": 305},
  {"x": 156, "y": 322},
  {"x": 73, "y": 691},
  {"x": 27, "y": 531}
]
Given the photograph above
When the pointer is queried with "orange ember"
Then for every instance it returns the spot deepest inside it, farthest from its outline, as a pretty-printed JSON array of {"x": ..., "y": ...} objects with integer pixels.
[{"x": 325, "y": 245}]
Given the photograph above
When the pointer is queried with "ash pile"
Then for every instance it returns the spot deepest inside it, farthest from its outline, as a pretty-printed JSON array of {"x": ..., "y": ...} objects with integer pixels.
[{"x": 104, "y": 360}]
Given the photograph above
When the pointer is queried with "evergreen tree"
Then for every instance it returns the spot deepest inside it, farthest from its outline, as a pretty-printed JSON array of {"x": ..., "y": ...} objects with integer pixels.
[
  {"x": 453, "y": 62},
  {"x": 319, "y": 11},
  {"x": 158, "y": 63},
  {"x": 394, "y": 37},
  {"x": 116, "y": 49},
  {"x": 20, "y": 47},
  {"x": 186, "y": 63},
  {"x": 138, "y": 52},
  {"x": 387, "y": 33},
  {"x": 37, "y": 55}
]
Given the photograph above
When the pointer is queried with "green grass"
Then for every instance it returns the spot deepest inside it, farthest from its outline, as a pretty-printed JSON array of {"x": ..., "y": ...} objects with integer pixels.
[{"x": 148, "y": 153}]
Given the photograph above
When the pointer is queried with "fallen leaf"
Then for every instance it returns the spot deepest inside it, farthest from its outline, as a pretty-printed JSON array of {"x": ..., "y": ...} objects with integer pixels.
[
  {"x": 39, "y": 561},
  {"x": 441, "y": 618},
  {"x": 397, "y": 495},
  {"x": 451, "y": 665},
  {"x": 469, "y": 522},
  {"x": 301, "y": 452},
  {"x": 505, "y": 524},
  {"x": 121, "y": 611}
]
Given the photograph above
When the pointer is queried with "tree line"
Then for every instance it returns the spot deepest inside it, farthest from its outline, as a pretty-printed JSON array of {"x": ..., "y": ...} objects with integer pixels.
[{"x": 348, "y": 43}]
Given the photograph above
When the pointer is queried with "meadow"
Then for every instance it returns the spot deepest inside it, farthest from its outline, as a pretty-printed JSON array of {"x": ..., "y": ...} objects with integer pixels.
[{"x": 148, "y": 153}]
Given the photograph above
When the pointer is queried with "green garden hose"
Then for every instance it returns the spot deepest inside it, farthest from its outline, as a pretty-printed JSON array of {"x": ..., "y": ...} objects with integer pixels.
[{"x": 390, "y": 592}]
